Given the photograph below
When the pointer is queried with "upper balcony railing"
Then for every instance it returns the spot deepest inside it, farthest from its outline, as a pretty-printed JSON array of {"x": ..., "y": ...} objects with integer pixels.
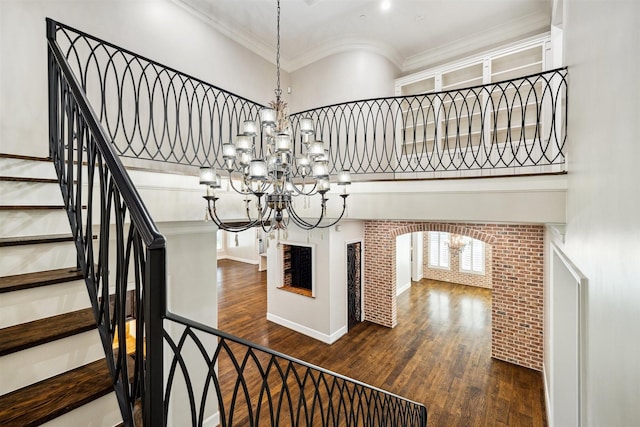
[
  {"x": 157, "y": 113},
  {"x": 516, "y": 126}
]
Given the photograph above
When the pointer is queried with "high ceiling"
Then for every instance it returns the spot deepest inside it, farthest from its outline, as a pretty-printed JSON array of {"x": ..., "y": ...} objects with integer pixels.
[{"x": 412, "y": 33}]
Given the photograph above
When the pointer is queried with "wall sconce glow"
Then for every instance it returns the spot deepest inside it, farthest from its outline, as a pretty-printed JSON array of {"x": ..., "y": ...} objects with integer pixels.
[{"x": 385, "y": 5}]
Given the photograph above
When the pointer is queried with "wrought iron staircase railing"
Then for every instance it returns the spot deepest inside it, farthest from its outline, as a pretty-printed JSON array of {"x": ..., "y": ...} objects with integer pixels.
[
  {"x": 243, "y": 379},
  {"x": 154, "y": 112}
]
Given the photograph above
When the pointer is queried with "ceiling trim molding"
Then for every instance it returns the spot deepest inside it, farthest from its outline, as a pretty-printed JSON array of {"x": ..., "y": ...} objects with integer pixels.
[
  {"x": 345, "y": 45},
  {"x": 289, "y": 65},
  {"x": 241, "y": 37},
  {"x": 534, "y": 23},
  {"x": 520, "y": 27}
]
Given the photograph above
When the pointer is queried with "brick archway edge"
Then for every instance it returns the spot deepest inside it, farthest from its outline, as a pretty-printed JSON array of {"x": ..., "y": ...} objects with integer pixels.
[{"x": 517, "y": 307}]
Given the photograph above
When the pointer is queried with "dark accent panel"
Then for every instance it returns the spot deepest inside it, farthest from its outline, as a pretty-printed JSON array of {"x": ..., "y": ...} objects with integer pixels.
[
  {"x": 354, "y": 283},
  {"x": 301, "y": 267}
]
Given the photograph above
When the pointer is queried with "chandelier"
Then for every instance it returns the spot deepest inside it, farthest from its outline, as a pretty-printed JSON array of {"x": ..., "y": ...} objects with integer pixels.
[
  {"x": 275, "y": 180},
  {"x": 457, "y": 242}
]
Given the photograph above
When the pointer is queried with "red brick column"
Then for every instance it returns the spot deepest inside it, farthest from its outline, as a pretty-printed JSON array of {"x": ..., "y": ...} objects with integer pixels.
[
  {"x": 517, "y": 280},
  {"x": 379, "y": 274}
]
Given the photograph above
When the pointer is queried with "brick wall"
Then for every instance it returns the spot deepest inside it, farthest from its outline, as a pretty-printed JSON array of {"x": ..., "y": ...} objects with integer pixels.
[
  {"x": 517, "y": 281},
  {"x": 454, "y": 274}
]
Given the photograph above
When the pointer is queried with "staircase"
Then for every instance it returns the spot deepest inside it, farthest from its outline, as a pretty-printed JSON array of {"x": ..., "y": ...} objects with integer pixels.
[{"x": 52, "y": 366}]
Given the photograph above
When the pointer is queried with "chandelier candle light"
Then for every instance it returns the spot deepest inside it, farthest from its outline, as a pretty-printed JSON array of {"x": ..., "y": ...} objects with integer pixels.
[
  {"x": 271, "y": 180},
  {"x": 458, "y": 242}
]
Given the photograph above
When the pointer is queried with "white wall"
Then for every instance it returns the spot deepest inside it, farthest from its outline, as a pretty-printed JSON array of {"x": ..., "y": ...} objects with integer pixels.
[
  {"x": 304, "y": 314},
  {"x": 246, "y": 249},
  {"x": 347, "y": 232},
  {"x": 403, "y": 263},
  {"x": 323, "y": 316},
  {"x": 516, "y": 199},
  {"x": 417, "y": 256},
  {"x": 603, "y": 203},
  {"x": 345, "y": 76},
  {"x": 191, "y": 293},
  {"x": 158, "y": 29}
]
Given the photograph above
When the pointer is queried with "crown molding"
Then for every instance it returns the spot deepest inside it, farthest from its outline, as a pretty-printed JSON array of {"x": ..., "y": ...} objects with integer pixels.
[
  {"x": 528, "y": 24},
  {"x": 345, "y": 45},
  {"x": 268, "y": 52},
  {"x": 243, "y": 38}
]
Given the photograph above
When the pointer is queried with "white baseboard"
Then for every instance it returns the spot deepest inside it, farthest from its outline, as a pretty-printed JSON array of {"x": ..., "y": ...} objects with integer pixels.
[
  {"x": 235, "y": 258},
  {"x": 547, "y": 400},
  {"x": 212, "y": 421},
  {"x": 327, "y": 339},
  {"x": 403, "y": 288}
]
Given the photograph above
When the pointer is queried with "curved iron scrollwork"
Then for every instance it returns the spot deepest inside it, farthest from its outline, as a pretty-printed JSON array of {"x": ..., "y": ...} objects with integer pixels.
[
  {"x": 518, "y": 124},
  {"x": 253, "y": 386},
  {"x": 120, "y": 252},
  {"x": 151, "y": 111},
  {"x": 154, "y": 112}
]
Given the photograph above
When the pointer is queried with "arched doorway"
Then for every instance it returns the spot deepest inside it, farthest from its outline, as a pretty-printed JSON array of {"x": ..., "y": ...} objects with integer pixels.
[{"x": 517, "y": 279}]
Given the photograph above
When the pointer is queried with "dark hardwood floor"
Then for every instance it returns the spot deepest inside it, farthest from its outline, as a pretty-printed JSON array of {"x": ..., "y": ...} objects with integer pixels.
[{"x": 438, "y": 355}]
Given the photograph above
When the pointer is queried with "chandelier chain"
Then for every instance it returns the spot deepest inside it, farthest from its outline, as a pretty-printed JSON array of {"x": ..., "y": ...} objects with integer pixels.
[
  {"x": 270, "y": 179},
  {"x": 278, "y": 91}
]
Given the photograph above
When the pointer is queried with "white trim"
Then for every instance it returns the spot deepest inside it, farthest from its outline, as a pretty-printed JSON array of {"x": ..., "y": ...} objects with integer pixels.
[
  {"x": 403, "y": 288},
  {"x": 547, "y": 398},
  {"x": 239, "y": 259},
  {"x": 445, "y": 52},
  {"x": 212, "y": 421},
  {"x": 241, "y": 37},
  {"x": 582, "y": 282},
  {"x": 268, "y": 51},
  {"x": 340, "y": 45},
  {"x": 327, "y": 339},
  {"x": 178, "y": 228}
]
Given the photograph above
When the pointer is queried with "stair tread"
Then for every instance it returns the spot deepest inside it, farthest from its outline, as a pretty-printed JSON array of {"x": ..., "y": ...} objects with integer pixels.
[
  {"x": 34, "y": 240},
  {"x": 23, "y": 157},
  {"x": 27, "y": 179},
  {"x": 29, "y": 207},
  {"x": 50, "y": 398},
  {"x": 40, "y": 278},
  {"x": 30, "y": 240},
  {"x": 30, "y": 334}
]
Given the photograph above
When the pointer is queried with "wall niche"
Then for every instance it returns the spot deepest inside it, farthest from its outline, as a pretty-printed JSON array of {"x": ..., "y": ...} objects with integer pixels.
[{"x": 297, "y": 269}]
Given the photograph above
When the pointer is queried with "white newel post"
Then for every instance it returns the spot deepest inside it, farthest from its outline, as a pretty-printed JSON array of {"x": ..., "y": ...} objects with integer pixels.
[{"x": 191, "y": 293}]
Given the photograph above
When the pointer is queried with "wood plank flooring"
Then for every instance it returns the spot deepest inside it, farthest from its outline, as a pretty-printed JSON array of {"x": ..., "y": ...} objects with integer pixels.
[
  {"x": 438, "y": 355},
  {"x": 50, "y": 398}
]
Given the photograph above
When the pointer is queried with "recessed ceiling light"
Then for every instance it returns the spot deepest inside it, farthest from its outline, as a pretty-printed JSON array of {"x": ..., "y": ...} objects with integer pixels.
[{"x": 385, "y": 5}]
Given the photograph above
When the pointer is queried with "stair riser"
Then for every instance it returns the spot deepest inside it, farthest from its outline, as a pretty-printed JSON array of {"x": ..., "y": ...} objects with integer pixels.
[
  {"x": 48, "y": 359},
  {"x": 29, "y": 193},
  {"x": 33, "y": 223},
  {"x": 45, "y": 301},
  {"x": 32, "y": 258},
  {"x": 27, "y": 168},
  {"x": 102, "y": 412}
]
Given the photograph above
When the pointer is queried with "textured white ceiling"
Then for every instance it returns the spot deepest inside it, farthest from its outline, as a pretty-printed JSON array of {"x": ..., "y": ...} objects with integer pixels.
[{"x": 412, "y": 33}]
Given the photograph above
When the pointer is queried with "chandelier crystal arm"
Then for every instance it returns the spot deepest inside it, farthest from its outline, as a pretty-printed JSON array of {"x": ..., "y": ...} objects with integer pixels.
[
  {"x": 301, "y": 192},
  {"x": 309, "y": 226},
  {"x": 238, "y": 190},
  {"x": 270, "y": 177},
  {"x": 213, "y": 214}
]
